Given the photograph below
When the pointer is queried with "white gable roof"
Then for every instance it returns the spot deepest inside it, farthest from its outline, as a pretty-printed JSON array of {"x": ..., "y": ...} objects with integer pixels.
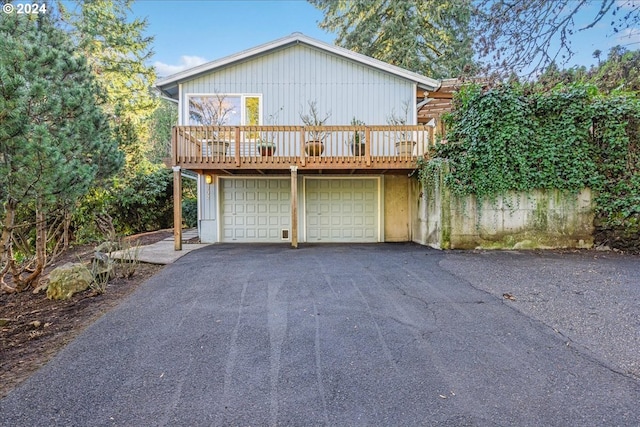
[{"x": 168, "y": 83}]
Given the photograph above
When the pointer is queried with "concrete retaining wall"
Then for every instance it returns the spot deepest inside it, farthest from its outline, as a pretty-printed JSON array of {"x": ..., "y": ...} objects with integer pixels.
[{"x": 534, "y": 220}]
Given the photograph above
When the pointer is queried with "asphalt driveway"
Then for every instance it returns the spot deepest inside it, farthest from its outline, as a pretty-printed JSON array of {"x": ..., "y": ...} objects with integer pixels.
[{"x": 351, "y": 335}]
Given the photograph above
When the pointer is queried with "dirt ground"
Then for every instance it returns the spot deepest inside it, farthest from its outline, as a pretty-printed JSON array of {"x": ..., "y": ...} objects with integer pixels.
[{"x": 33, "y": 328}]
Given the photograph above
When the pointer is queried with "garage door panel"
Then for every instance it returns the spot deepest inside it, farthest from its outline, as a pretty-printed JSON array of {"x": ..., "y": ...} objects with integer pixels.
[
  {"x": 255, "y": 210},
  {"x": 341, "y": 210}
]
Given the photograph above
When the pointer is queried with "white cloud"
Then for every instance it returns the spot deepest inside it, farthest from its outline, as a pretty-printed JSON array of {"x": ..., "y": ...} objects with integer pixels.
[
  {"x": 186, "y": 61},
  {"x": 629, "y": 36},
  {"x": 627, "y": 4}
]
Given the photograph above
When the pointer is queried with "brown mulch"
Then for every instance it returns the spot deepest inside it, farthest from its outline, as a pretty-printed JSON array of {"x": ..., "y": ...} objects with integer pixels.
[{"x": 33, "y": 328}]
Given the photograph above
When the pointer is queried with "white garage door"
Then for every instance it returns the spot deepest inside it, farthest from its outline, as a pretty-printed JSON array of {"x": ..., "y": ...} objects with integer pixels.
[
  {"x": 255, "y": 210},
  {"x": 341, "y": 210}
]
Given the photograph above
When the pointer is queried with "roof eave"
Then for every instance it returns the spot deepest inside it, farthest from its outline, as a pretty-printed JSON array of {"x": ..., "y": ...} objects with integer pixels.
[
  {"x": 211, "y": 65},
  {"x": 424, "y": 82}
]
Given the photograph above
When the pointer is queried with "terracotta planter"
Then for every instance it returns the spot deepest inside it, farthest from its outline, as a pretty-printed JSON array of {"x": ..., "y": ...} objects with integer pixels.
[
  {"x": 405, "y": 148},
  {"x": 267, "y": 150},
  {"x": 314, "y": 148},
  {"x": 218, "y": 148},
  {"x": 357, "y": 149}
]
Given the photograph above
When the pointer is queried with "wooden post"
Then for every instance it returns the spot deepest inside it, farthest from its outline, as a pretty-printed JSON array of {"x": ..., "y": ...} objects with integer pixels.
[
  {"x": 177, "y": 208},
  {"x": 294, "y": 206},
  {"x": 174, "y": 145},
  {"x": 237, "y": 143}
]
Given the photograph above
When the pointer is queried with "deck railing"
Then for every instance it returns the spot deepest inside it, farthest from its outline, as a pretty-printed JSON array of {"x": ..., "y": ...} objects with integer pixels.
[{"x": 276, "y": 147}]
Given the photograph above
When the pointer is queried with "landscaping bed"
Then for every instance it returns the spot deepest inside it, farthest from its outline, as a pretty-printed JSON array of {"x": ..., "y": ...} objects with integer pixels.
[{"x": 33, "y": 328}]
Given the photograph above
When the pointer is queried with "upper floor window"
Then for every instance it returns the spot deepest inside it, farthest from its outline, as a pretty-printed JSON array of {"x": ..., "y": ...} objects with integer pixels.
[{"x": 225, "y": 109}]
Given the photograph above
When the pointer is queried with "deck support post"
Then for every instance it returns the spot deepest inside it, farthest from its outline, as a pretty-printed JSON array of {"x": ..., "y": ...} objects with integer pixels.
[
  {"x": 177, "y": 208},
  {"x": 294, "y": 206}
]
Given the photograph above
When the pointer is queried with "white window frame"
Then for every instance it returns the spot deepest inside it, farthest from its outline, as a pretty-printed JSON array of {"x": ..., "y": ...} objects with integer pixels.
[{"x": 243, "y": 104}]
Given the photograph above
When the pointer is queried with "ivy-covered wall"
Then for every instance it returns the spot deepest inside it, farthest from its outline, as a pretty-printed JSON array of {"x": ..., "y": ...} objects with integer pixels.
[{"x": 521, "y": 139}]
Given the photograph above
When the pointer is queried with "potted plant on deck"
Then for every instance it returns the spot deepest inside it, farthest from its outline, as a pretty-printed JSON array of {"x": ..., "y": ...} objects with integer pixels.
[
  {"x": 266, "y": 144},
  {"x": 266, "y": 147},
  {"x": 404, "y": 140},
  {"x": 356, "y": 142},
  {"x": 314, "y": 145},
  {"x": 212, "y": 111}
]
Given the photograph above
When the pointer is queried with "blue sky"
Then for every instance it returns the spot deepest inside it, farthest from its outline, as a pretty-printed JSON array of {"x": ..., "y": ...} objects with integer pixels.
[
  {"x": 188, "y": 33},
  {"x": 191, "y": 32}
]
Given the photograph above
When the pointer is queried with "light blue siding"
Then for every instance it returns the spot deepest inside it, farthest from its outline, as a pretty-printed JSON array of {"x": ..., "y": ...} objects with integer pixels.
[
  {"x": 207, "y": 214},
  {"x": 290, "y": 77}
]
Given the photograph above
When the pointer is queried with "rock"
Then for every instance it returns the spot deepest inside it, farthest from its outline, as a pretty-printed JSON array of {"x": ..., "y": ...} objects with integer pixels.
[
  {"x": 69, "y": 279},
  {"x": 108, "y": 247},
  {"x": 35, "y": 324},
  {"x": 603, "y": 248},
  {"x": 101, "y": 257},
  {"x": 43, "y": 286},
  {"x": 102, "y": 267}
]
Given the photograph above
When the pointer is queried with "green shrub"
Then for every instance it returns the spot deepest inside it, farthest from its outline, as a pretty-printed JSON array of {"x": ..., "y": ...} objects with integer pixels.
[
  {"x": 143, "y": 202},
  {"x": 190, "y": 212}
]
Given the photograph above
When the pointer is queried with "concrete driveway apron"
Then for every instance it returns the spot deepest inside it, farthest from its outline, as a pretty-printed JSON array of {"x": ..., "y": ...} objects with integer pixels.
[{"x": 263, "y": 335}]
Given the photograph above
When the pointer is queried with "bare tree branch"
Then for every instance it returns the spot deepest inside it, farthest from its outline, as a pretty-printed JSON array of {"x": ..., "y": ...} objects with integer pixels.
[{"x": 526, "y": 36}]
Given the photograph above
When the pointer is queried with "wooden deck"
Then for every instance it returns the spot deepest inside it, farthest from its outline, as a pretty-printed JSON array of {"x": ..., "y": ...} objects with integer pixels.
[{"x": 273, "y": 149}]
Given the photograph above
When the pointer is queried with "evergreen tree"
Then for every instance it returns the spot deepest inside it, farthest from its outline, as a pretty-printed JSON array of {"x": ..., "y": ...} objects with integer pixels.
[
  {"x": 162, "y": 121},
  {"x": 621, "y": 70},
  {"x": 54, "y": 139},
  {"x": 430, "y": 37},
  {"x": 117, "y": 50}
]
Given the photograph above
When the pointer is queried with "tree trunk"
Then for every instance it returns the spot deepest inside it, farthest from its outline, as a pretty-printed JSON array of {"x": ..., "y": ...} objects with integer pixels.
[
  {"x": 41, "y": 248},
  {"x": 6, "y": 242},
  {"x": 65, "y": 230}
]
